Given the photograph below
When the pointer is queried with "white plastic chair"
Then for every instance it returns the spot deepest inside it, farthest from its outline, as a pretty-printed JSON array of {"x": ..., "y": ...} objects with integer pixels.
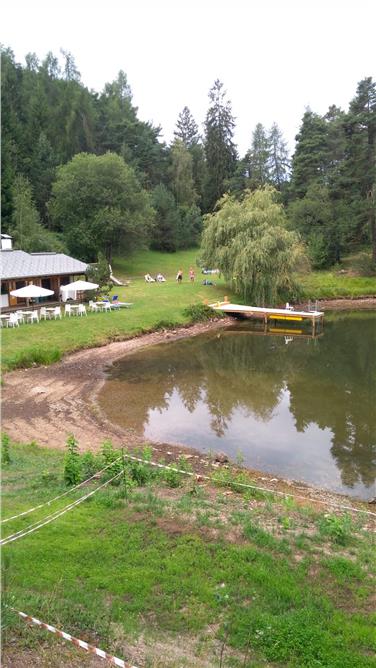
[
  {"x": 57, "y": 312},
  {"x": 13, "y": 320},
  {"x": 34, "y": 316},
  {"x": 106, "y": 306},
  {"x": 93, "y": 306},
  {"x": 67, "y": 310},
  {"x": 43, "y": 313},
  {"x": 20, "y": 316},
  {"x": 82, "y": 310}
]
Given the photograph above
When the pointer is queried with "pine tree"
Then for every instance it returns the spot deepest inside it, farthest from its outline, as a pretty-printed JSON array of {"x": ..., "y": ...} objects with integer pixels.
[
  {"x": 360, "y": 164},
  {"x": 167, "y": 221},
  {"x": 310, "y": 160},
  {"x": 220, "y": 150},
  {"x": 187, "y": 129},
  {"x": 258, "y": 158},
  {"x": 27, "y": 232},
  {"x": 279, "y": 163}
]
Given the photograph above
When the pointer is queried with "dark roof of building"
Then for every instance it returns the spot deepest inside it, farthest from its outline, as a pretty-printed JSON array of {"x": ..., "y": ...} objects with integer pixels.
[{"x": 18, "y": 264}]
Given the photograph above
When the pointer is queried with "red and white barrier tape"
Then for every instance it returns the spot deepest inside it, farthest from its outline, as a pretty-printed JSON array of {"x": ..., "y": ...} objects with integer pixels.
[
  {"x": 38, "y": 525},
  {"x": 72, "y": 489},
  {"x": 76, "y": 641}
]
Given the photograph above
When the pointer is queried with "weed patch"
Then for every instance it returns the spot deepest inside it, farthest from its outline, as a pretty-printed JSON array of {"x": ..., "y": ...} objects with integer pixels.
[{"x": 33, "y": 357}]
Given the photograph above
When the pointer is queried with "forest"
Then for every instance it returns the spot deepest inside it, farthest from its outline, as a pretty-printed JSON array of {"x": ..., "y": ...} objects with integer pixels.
[{"x": 81, "y": 173}]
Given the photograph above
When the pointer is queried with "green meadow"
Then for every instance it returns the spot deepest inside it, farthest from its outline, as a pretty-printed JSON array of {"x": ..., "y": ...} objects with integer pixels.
[
  {"x": 155, "y": 305},
  {"x": 203, "y": 574}
]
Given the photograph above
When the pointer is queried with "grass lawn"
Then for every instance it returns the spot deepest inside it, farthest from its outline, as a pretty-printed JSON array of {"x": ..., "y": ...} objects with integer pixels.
[
  {"x": 191, "y": 570},
  {"x": 154, "y": 305}
]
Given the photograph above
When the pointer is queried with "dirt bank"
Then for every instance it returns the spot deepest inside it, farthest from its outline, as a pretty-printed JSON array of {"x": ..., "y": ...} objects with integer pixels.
[{"x": 344, "y": 304}]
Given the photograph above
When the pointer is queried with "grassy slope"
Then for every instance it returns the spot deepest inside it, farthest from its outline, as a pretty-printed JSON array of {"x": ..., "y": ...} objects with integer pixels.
[
  {"x": 278, "y": 581},
  {"x": 153, "y": 304}
]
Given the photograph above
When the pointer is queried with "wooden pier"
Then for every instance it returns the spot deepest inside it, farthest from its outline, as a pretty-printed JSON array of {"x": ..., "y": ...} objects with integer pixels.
[{"x": 269, "y": 314}]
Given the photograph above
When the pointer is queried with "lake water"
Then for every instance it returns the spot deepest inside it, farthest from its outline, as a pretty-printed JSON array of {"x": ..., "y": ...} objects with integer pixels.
[{"x": 298, "y": 407}]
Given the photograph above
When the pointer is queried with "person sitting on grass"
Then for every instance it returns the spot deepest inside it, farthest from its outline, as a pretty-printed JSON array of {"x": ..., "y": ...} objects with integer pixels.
[
  {"x": 160, "y": 278},
  {"x": 149, "y": 279}
]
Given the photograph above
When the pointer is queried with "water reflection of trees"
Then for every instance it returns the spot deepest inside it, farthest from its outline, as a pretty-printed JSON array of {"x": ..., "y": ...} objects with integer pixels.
[{"x": 331, "y": 384}]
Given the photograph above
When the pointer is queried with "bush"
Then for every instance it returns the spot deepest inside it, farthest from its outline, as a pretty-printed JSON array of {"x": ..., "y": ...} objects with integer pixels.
[
  {"x": 139, "y": 472},
  {"x": 72, "y": 464},
  {"x": 110, "y": 455},
  {"x": 200, "y": 313},
  {"x": 89, "y": 465},
  {"x": 34, "y": 356},
  {"x": 318, "y": 251}
]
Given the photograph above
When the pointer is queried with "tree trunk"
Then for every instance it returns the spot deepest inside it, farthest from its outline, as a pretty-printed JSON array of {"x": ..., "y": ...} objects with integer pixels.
[{"x": 372, "y": 221}]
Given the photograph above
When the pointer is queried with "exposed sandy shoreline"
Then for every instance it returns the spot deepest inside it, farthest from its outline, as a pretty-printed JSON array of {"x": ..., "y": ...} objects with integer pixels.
[{"x": 46, "y": 404}]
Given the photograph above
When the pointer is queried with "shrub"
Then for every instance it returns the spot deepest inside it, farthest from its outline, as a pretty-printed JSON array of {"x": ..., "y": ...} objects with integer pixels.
[
  {"x": 72, "y": 464},
  {"x": 110, "y": 455},
  {"x": 139, "y": 472},
  {"x": 89, "y": 465},
  {"x": 200, "y": 312}
]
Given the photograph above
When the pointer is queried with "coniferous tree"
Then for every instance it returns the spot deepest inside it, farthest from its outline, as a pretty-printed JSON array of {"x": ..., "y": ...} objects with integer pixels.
[
  {"x": 279, "y": 163},
  {"x": 220, "y": 150},
  {"x": 27, "y": 232},
  {"x": 187, "y": 129},
  {"x": 259, "y": 158},
  {"x": 167, "y": 220},
  {"x": 360, "y": 164},
  {"x": 310, "y": 160},
  {"x": 42, "y": 174}
]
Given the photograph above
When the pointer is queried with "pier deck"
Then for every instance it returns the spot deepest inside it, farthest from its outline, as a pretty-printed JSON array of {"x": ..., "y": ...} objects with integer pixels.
[{"x": 284, "y": 314}]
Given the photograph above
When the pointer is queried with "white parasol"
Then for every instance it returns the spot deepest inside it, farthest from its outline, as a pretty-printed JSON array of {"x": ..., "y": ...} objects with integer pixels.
[{"x": 30, "y": 291}]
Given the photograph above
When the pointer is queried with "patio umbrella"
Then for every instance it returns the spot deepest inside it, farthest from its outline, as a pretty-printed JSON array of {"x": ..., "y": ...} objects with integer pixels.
[
  {"x": 79, "y": 286},
  {"x": 30, "y": 291}
]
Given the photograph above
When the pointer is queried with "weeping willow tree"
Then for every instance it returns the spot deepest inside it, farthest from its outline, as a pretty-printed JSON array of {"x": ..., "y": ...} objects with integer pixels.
[{"x": 249, "y": 242}]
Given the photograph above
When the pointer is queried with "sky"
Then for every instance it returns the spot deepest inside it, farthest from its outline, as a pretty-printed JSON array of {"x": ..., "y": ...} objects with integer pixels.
[{"x": 275, "y": 58}]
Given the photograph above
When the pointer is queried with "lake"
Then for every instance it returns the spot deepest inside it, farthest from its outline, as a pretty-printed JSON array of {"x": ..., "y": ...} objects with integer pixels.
[{"x": 281, "y": 402}]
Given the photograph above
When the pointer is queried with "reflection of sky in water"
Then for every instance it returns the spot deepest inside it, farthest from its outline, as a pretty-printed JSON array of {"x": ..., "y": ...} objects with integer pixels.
[{"x": 273, "y": 446}]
